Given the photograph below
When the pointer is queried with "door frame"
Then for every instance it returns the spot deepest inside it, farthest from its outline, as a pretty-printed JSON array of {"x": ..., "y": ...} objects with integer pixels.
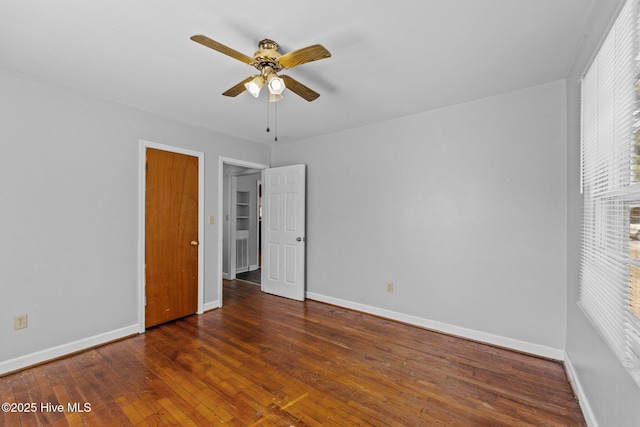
[
  {"x": 221, "y": 162},
  {"x": 258, "y": 224},
  {"x": 142, "y": 197}
]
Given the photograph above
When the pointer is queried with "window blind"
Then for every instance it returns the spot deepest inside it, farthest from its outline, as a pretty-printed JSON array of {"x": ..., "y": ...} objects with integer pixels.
[{"x": 610, "y": 255}]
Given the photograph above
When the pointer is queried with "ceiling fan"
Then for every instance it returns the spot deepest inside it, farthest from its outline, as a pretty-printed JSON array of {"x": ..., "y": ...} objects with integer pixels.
[{"x": 268, "y": 61}]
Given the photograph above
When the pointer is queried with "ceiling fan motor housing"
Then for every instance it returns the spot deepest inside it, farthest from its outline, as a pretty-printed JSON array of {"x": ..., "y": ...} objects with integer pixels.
[{"x": 267, "y": 56}]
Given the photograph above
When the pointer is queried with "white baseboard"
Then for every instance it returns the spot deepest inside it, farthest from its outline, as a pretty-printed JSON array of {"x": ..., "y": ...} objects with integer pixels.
[
  {"x": 83, "y": 344},
  {"x": 540, "y": 350},
  {"x": 211, "y": 305},
  {"x": 62, "y": 350},
  {"x": 226, "y": 276},
  {"x": 523, "y": 346},
  {"x": 574, "y": 379}
]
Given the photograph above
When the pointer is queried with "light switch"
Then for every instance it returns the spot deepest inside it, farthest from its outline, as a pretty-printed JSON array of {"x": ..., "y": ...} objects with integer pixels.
[{"x": 210, "y": 219}]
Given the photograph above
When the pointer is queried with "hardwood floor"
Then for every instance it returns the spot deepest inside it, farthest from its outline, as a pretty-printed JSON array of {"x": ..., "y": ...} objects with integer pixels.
[{"x": 268, "y": 361}]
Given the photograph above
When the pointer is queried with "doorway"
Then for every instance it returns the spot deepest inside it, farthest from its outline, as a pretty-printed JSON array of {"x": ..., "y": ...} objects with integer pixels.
[
  {"x": 284, "y": 225},
  {"x": 161, "y": 272},
  {"x": 239, "y": 224},
  {"x": 254, "y": 253}
]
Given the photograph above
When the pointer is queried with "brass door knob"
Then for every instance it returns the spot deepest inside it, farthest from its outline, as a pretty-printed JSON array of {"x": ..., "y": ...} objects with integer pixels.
[{"x": 194, "y": 243}]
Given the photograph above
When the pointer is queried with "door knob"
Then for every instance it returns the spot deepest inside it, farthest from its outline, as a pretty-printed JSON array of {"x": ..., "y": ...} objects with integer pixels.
[
  {"x": 194, "y": 243},
  {"x": 300, "y": 239}
]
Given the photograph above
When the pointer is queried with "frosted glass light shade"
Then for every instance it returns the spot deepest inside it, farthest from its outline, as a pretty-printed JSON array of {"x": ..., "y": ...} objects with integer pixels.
[
  {"x": 276, "y": 84},
  {"x": 274, "y": 97},
  {"x": 254, "y": 86}
]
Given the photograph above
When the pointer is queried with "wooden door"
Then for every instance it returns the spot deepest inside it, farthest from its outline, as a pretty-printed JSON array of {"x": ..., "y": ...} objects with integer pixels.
[
  {"x": 283, "y": 269},
  {"x": 171, "y": 236}
]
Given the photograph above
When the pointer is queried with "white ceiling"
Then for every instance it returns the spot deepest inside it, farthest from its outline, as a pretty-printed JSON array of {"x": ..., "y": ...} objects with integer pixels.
[{"x": 389, "y": 58}]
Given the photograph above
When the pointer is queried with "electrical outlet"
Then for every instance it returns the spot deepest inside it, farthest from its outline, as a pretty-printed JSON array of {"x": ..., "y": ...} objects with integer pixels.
[
  {"x": 20, "y": 321},
  {"x": 390, "y": 287}
]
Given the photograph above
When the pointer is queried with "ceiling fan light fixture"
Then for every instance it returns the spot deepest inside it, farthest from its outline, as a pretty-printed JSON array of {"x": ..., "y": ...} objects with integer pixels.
[
  {"x": 254, "y": 86},
  {"x": 275, "y": 97},
  {"x": 268, "y": 61},
  {"x": 275, "y": 84}
]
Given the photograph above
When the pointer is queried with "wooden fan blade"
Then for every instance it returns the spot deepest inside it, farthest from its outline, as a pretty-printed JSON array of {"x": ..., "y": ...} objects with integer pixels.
[
  {"x": 239, "y": 88},
  {"x": 206, "y": 41},
  {"x": 299, "y": 89},
  {"x": 302, "y": 56}
]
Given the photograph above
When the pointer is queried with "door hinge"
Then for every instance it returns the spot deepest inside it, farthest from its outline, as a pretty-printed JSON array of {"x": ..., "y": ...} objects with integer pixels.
[{"x": 145, "y": 300}]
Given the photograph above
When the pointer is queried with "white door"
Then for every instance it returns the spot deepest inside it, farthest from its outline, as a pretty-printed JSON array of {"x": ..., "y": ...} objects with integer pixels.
[{"x": 283, "y": 222}]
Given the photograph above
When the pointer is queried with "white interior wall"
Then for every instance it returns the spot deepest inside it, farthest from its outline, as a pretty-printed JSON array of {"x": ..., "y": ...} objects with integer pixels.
[
  {"x": 462, "y": 208},
  {"x": 68, "y": 230}
]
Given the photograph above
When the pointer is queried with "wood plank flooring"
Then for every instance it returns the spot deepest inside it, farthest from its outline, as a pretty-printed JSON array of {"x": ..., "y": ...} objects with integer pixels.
[{"x": 268, "y": 361}]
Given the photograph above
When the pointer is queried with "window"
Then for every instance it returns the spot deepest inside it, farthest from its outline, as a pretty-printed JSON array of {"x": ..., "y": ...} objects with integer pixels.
[{"x": 610, "y": 256}]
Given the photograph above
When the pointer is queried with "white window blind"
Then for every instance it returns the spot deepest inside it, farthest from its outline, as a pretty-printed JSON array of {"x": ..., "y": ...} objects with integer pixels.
[{"x": 609, "y": 264}]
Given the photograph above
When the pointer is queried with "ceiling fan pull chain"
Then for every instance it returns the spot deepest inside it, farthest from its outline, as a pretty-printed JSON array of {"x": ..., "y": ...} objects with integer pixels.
[
  {"x": 276, "y": 121},
  {"x": 267, "y": 114}
]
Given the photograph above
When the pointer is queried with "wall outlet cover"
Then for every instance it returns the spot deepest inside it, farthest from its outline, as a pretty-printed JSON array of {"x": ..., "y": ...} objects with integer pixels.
[{"x": 20, "y": 322}]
